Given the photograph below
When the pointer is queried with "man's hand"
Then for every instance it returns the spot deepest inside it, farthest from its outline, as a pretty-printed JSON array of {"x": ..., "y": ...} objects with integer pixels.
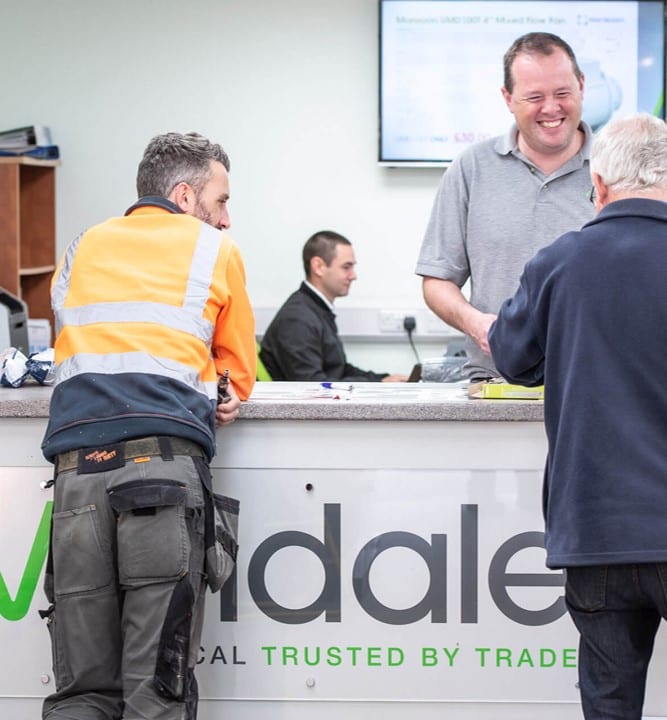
[
  {"x": 227, "y": 412},
  {"x": 395, "y": 378},
  {"x": 479, "y": 330}
]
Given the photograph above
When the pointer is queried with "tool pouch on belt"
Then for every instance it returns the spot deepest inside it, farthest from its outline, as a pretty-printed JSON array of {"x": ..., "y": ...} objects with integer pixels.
[{"x": 222, "y": 526}]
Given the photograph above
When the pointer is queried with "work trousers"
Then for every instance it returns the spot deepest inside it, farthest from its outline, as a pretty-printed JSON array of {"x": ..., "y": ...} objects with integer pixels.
[
  {"x": 617, "y": 610},
  {"x": 127, "y": 591}
]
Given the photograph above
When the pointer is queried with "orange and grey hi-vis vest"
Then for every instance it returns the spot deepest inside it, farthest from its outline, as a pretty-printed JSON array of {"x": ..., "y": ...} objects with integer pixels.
[{"x": 149, "y": 308}]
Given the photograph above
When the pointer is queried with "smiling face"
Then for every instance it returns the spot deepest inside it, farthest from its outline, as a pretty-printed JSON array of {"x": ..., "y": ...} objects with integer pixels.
[{"x": 546, "y": 101}]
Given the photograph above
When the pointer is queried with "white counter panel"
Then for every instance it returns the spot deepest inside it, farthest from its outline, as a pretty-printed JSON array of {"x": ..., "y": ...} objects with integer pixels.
[{"x": 387, "y": 569}]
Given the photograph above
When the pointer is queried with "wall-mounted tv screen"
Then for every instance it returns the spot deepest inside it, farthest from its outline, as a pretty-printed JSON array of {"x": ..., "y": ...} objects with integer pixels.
[{"x": 441, "y": 66}]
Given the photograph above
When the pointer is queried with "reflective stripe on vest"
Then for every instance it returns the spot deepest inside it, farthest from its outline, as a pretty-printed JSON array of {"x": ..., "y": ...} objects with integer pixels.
[
  {"x": 61, "y": 282},
  {"x": 143, "y": 312}
]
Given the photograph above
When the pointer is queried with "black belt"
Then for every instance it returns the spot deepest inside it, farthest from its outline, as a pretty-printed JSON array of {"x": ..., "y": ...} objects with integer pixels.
[{"x": 165, "y": 446}]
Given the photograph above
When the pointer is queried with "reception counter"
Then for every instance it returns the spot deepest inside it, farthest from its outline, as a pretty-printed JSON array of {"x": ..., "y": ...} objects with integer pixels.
[
  {"x": 391, "y": 561},
  {"x": 310, "y": 401}
]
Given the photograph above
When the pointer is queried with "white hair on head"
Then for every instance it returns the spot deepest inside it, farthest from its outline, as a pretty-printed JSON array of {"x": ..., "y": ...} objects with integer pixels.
[{"x": 630, "y": 153}]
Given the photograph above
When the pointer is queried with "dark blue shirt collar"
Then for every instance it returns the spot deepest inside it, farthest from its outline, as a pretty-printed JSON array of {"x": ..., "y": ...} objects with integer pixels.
[{"x": 154, "y": 201}]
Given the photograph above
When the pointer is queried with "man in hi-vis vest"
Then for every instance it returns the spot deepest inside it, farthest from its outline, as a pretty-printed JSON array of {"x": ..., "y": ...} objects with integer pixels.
[{"x": 151, "y": 308}]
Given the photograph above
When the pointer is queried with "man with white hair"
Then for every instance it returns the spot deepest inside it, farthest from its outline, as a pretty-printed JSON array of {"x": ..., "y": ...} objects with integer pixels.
[{"x": 589, "y": 321}]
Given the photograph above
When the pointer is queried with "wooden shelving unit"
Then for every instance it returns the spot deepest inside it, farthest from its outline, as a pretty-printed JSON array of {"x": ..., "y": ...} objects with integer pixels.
[{"x": 28, "y": 231}]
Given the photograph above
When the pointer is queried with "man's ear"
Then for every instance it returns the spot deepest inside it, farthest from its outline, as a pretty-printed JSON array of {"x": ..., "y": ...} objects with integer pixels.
[
  {"x": 317, "y": 266},
  {"x": 183, "y": 196},
  {"x": 601, "y": 191},
  {"x": 507, "y": 97}
]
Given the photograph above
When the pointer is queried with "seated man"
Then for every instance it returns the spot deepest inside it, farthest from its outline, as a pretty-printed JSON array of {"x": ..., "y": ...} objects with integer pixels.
[{"x": 302, "y": 342}]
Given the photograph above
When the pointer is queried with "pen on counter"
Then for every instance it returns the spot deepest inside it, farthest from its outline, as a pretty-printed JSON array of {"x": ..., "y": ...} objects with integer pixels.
[
  {"x": 223, "y": 384},
  {"x": 336, "y": 386}
]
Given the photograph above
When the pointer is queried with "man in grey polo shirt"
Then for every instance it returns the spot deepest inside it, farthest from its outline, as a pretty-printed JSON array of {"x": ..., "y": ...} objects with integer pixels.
[{"x": 505, "y": 198}]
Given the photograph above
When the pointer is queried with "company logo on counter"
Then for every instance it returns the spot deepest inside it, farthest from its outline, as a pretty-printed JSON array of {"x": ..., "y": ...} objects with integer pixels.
[{"x": 433, "y": 552}]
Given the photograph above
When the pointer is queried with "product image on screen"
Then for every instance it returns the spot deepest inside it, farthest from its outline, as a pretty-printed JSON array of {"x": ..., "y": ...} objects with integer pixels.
[{"x": 441, "y": 67}]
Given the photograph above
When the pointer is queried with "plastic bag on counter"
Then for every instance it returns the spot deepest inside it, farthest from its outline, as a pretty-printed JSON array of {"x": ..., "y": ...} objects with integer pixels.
[
  {"x": 41, "y": 366},
  {"x": 16, "y": 368},
  {"x": 448, "y": 368}
]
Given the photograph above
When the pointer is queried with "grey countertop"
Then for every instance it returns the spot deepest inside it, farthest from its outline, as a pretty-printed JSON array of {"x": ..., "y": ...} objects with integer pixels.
[{"x": 307, "y": 401}]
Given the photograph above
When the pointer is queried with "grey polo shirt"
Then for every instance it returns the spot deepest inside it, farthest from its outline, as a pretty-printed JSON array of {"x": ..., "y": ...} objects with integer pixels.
[{"x": 492, "y": 212}]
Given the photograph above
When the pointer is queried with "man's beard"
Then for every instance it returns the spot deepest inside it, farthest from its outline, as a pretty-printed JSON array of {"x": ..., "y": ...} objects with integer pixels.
[{"x": 202, "y": 213}]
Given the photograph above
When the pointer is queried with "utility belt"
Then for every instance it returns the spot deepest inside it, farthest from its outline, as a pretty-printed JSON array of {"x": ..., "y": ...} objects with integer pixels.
[{"x": 110, "y": 457}]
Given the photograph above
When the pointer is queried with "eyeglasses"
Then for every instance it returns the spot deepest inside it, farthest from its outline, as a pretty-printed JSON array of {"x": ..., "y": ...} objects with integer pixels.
[{"x": 592, "y": 195}]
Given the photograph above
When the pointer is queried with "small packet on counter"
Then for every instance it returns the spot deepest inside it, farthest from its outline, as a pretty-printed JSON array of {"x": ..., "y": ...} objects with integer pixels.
[{"x": 15, "y": 367}]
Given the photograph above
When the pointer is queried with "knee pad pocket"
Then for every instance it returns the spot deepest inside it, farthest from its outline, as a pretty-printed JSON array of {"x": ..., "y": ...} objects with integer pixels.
[{"x": 171, "y": 678}]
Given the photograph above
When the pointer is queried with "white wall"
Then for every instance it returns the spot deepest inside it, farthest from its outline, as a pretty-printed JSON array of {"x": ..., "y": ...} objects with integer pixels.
[{"x": 289, "y": 88}]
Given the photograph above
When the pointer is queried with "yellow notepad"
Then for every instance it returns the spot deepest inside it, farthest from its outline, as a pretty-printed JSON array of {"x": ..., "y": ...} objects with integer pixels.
[{"x": 499, "y": 390}]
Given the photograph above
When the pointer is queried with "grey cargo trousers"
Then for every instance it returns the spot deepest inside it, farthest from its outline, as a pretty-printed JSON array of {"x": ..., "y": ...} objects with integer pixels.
[{"x": 126, "y": 589}]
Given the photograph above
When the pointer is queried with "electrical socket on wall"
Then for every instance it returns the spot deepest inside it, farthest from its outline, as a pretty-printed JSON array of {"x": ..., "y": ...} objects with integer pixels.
[{"x": 391, "y": 321}]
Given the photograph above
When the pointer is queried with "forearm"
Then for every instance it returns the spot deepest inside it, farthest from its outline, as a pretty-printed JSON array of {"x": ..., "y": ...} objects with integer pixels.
[{"x": 447, "y": 301}]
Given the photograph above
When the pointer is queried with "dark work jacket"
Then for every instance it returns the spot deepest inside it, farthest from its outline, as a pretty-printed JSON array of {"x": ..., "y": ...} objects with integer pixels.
[
  {"x": 302, "y": 343},
  {"x": 589, "y": 320}
]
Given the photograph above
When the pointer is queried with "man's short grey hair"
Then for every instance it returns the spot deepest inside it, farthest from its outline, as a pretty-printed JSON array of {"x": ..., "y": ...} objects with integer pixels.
[
  {"x": 172, "y": 158},
  {"x": 630, "y": 153}
]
